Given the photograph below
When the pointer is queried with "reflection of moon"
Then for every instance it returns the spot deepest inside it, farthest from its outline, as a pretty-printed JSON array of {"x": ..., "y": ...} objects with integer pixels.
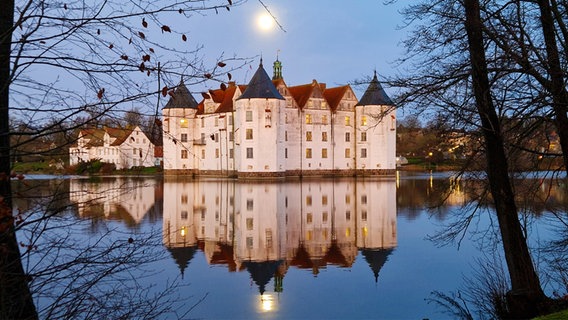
[{"x": 265, "y": 22}]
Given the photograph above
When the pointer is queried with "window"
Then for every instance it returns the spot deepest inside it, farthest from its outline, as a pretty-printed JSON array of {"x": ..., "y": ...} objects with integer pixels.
[
  {"x": 231, "y": 136},
  {"x": 184, "y": 198},
  {"x": 363, "y": 136},
  {"x": 309, "y": 200},
  {"x": 249, "y": 153},
  {"x": 308, "y": 153},
  {"x": 231, "y": 153},
  {"x": 286, "y": 153},
  {"x": 202, "y": 122},
  {"x": 347, "y": 121},
  {"x": 348, "y": 215},
  {"x": 324, "y": 119},
  {"x": 203, "y": 154},
  {"x": 230, "y": 120},
  {"x": 347, "y": 153},
  {"x": 309, "y": 218},
  {"x": 250, "y": 204},
  {"x": 364, "y": 199},
  {"x": 364, "y": 215},
  {"x": 323, "y": 104},
  {"x": 324, "y": 136},
  {"x": 285, "y": 135},
  {"x": 216, "y": 121},
  {"x": 183, "y": 137},
  {"x": 184, "y": 215},
  {"x": 363, "y": 120},
  {"x": 250, "y": 223},
  {"x": 324, "y": 153},
  {"x": 216, "y": 153},
  {"x": 182, "y": 122},
  {"x": 363, "y": 153},
  {"x": 184, "y": 154},
  {"x": 249, "y": 116},
  {"x": 308, "y": 118},
  {"x": 216, "y": 137},
  {"x": 347, "y": 136},
  {"x": 133, "y": 151},
  {"x": 249, "y": 134},
  {"x": 347, "y": 199},
  {"x": 308, "y": 136},
  {"x": 324, "y": 200}
]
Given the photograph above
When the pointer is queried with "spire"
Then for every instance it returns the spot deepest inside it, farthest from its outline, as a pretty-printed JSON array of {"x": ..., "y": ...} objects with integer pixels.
[
  {"x": 277, "y": 68},
  {"x": 181, "y": 98},
  {"x": 260, "y": 86},
  {"x": 375, "y": 95}
]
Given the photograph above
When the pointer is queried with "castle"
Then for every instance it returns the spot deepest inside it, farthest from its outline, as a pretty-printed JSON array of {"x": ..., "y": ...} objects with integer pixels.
[{"x": 267, "y": 129}]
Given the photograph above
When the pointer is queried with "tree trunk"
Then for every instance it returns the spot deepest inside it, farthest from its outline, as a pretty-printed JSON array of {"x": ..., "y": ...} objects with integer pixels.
[
  {"x": 526, "y": 297},
  {"x": 557, "y": 85},
  {"x": 15, "y": 298}
]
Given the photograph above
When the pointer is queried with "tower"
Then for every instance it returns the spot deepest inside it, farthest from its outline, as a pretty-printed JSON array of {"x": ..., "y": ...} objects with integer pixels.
[
  {"x": 178, "y": 134},
  {"x": 260, "y": 111},
  {"x": 375, "y": 129},
  {"x": 277, "y": 66}
]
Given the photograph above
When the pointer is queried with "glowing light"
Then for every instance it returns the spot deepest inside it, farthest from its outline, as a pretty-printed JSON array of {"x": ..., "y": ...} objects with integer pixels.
[
  {"x": 265, "y": 22},
  {"x": 267, "y": 302},
  {"x": 182, "y": 231}
]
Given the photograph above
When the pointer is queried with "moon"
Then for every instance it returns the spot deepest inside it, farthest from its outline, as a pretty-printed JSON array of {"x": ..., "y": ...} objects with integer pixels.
[{"x": 265, "y": 22}]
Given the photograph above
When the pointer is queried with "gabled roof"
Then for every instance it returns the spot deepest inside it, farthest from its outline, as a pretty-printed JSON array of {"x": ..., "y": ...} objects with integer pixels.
[
  {"x": 375, "y": 95},
  {"x": 227, "y": 103},
  {"x": 301, "y": 94},
  {"x": 334, "y": 96},
  {"x": 261, "y": 86},
  {"x": 181, "y": 98},
  {"x": 119, "y": 135}
]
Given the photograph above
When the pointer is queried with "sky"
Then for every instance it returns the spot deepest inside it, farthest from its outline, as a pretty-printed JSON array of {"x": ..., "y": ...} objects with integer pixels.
[{"x": 335, "y": 42}]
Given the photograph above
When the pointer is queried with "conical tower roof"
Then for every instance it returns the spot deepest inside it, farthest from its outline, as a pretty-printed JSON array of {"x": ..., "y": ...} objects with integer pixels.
[
  {"x": 261, "y": 86},
  {"x": 375, "y": 95},
  {"x": 376, "y": 259},
  {"x": 181, "y": 98}
]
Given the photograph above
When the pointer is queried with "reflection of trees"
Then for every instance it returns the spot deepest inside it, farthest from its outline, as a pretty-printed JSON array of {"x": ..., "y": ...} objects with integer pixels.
[{"x": 75, "y": 273}]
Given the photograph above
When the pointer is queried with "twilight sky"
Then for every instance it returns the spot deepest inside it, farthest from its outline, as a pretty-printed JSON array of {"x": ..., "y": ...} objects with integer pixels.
[{"x": 335, "y": 41}]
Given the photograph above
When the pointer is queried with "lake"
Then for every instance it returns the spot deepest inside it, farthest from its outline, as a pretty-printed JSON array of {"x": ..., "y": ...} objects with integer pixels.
[{"x": 299, "y": 249}]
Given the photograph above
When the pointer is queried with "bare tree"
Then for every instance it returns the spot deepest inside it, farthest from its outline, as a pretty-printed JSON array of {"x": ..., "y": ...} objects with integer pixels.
[{"x": 67, "y": 64}]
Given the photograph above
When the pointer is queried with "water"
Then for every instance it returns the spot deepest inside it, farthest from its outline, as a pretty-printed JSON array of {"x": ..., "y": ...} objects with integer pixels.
[{"x": 311, "y": 249}]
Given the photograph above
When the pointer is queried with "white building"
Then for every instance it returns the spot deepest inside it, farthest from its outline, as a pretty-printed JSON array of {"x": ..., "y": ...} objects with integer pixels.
[
  {"x": 269, "y": 129},
  {"x": 125, "y": 148}
]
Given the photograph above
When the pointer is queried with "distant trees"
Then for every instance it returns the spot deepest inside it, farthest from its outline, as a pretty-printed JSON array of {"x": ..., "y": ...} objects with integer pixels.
[
  {"x": 64, "y": 65},
  {"x": 488, "y": 68}
]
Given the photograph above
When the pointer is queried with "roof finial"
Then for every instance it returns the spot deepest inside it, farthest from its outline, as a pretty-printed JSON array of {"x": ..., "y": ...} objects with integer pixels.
[{"x": 260, "y": 59}]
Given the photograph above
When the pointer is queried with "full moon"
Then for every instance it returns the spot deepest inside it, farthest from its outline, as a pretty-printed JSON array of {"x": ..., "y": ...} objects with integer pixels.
[{"x": 265, "y": 22}]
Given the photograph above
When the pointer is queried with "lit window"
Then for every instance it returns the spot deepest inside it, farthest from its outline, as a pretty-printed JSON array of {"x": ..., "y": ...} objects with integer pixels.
[
  {"x": 324, "y": 118},
  {"x": 323, "y": 104},
  {"x": 363, "y": 120},
  {"x": 308, "y": 153},
  {"x": 347, "y": 121},
  {"x": 249, "y": 153},
  {"x": 309, "y": 200},
  {"x": 183, "y": 137},
  {"x": 308, "y": 119},
  {"x": 363, "y": 153},
  {"x": 249, "y": 116},
  {"x": 308, "y": 136},
  {"x": 347, "y": 199},
  {"x": 324, "y": 200},
  {"x": 309, "y": 218},
  {"x": 250, "y": 223},
  {"x": 249, "y": 134},
  {"x": 363, "y": 136},
  {"x": 183, "y": 123},
  {"x": 184, "y": 154},
  {"x": 347, "y": 136},
  {"x": 324, "y": 153},
  {"x": 347, "y": 153},
  {"x": 324, "y": 136}
]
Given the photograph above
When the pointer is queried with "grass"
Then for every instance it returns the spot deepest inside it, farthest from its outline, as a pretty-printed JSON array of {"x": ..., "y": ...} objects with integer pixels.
[{"x": 561, "y": 315}]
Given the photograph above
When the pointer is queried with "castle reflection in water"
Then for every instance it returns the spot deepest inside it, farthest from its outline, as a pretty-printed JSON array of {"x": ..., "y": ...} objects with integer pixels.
[{"x": 265, "y": 228}]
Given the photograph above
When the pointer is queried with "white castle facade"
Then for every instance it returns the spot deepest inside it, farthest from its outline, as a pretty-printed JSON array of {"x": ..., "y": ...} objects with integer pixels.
[{"x": 269, "y": 129}]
